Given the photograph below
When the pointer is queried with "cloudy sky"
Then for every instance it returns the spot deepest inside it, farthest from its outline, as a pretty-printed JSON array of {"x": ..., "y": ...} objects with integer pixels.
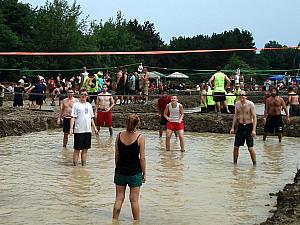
[{"x": 266, "y": 19}]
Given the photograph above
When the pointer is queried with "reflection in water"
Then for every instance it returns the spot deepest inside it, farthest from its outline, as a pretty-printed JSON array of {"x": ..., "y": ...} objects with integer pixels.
[{"x": 39, "y": 185}]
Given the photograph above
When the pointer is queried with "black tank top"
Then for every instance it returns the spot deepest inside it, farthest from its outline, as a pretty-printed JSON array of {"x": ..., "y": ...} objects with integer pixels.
[
  {"x": 128, "y": 163},
  {"x": 121, "y": 82}
]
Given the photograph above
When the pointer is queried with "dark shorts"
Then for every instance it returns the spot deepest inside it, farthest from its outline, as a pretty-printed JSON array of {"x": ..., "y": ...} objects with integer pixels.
[
  {"x": 18, "y": 102},
  {"x": 231, "y": 109},
  {"x": 243, "y": 134},
  {"x": 66, "y": 125},
  {"x": 163, "y": 121},
  {"x": 274, "y": 122},
  {"x": 294, "y": 110},
  {"x": 211, "y": 108},
  {"x": 82, "y": 141},
  {"x": 131, "y": 181},
  {"x": 39, "y": 99},
  {"x": 120, "y": 91},
  {"x": 32, "y": 97},
  {"x": 219, "y": 96},
  {"x": 93, "y": 96}
]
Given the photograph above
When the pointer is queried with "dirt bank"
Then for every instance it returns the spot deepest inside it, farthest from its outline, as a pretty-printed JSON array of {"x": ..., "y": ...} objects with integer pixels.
[
  {"x": 15, "y": 121},
  {"x": 288, "y": 205}
]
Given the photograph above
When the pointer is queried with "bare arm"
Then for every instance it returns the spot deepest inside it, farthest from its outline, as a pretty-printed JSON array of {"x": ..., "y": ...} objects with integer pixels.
[
  {"x": 227, "y": 82},
  {"x": 254, "y": 118},
  {"x": 112, "y": 103},
  {"x": 30, "y": 89},
  {"x": 181, "y": 111},
  {"x": 211, "y": 80},
  {"x": 96, "y": 107},
  {"x": 142, "y": 156},
  {"x": 61, "y": 110},
  {"x": 289, "y": 100},
  {"x": 285, "y": 110},
  {"x": 72, "y": 121},
  {"x": 94, "y": 126},
  {"x": 234, "y": 119}
]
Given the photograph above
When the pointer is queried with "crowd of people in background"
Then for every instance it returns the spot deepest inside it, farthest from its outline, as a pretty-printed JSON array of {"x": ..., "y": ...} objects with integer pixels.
[{"x": 218, "y": 94}]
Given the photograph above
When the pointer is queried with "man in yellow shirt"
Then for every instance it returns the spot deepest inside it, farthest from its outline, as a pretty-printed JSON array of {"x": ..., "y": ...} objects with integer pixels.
[{"x": 219, "y": 80}]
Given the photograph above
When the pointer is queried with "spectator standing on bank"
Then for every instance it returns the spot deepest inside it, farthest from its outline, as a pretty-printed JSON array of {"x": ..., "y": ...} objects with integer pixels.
[
  {"x": 18, "y": 95},
  {"x": 293, "y": 102},
  {"x": 2, "y": 90}
]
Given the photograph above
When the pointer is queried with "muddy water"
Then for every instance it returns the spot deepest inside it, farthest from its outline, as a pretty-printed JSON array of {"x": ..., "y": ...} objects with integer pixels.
[{"x": 39, "y": 185}]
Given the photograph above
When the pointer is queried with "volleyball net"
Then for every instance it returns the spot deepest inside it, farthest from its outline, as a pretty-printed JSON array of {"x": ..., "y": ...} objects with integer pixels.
[{"x": 195, "y": 75}]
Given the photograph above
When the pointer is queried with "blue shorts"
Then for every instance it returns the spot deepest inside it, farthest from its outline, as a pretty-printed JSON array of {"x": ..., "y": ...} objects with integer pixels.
[{"x": 132, "y": 181}]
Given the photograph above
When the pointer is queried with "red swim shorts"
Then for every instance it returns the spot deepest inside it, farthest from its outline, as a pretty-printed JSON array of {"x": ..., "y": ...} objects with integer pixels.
[
  {"x": 175, "y": 126},
  {"x": 104, "y": 118}
]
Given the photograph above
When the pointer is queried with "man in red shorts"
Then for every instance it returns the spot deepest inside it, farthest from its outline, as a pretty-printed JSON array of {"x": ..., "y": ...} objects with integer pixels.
[
  {"x": 104, "y": 105},
  {"x": 174, "y": 113}
]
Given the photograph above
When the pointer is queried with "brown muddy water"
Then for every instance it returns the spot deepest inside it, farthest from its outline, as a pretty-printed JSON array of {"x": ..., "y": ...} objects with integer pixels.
[{"x": 39, "y": 185}]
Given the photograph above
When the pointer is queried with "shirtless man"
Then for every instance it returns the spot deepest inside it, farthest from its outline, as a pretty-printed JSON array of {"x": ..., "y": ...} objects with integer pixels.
[
  {"x": 245, "y": 115},
  {"x": 272, "y": 114},
  {"x": 64, "y": 116},
  {"x": 104, "y": 105},
  {"x": 293, "y": 102}
]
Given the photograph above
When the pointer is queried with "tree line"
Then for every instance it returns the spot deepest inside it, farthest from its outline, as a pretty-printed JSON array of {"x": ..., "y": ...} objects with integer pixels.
[{"x": 58, "y": 27}]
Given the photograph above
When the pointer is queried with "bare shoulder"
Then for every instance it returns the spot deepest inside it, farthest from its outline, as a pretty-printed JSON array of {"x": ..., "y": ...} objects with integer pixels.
[
  {"x": 238, "y": 104},
  {"x": 250, "y": 103},
  {"x": 141, "y": 138}
]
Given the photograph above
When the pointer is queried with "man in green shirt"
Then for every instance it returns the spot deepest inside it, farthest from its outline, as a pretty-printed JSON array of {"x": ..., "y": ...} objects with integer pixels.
[{"x": 219, "y": 80}]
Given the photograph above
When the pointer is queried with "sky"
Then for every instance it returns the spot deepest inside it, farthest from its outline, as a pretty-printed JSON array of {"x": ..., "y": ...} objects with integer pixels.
[{"x": 267, "y": 20}]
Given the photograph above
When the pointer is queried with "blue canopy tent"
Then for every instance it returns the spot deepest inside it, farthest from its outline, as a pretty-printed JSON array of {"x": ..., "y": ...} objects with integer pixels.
[
  {"x": 276, "y": 78},
  {"x": 297, "y": 79}
]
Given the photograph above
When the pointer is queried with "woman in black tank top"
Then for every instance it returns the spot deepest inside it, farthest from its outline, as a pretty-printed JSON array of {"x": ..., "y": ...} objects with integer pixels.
[{"x": 130, "y": 166}]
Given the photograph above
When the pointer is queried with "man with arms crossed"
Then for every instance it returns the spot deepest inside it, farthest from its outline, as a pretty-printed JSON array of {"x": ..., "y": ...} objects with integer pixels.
[
  {"x": 64, "y": 116},
  {"x": 272, "y": 114},
  {"x": 104, "y": 105},
  {"x": 82, "y": 116},
  {"x": 245, "y": 115}
]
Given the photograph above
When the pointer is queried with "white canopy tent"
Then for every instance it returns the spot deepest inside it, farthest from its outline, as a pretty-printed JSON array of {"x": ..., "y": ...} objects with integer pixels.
[
  {"x": 178, "y": 75},
  {"x": 155, "y": 75}
]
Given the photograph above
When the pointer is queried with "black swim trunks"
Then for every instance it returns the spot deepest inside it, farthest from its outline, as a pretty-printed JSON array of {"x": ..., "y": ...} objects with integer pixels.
[
  {"x": 273, "y": 122},
  {"x": 219, "y": 97},
  {"x": 294, "y": 110},
  {"x": 82, "y": 141},
  {"x": 163, "y": 121},
  {"x": 66, "y": 125},
  {"x": 244, "y": 133}
]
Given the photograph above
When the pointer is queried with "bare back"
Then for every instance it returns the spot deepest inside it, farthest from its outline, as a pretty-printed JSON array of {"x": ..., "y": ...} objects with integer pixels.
[{"x": 293, "y": 99}]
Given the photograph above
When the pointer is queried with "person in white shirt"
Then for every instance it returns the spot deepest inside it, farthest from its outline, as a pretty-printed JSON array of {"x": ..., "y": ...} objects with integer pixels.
[
  {"x": 174, "y": 114},
  {"x": 82, "y": 120}
]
